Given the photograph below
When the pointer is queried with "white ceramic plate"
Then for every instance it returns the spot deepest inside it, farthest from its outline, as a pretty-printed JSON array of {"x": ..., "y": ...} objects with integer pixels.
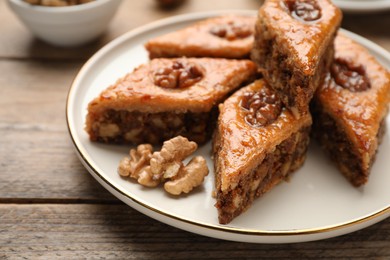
[
  {"x": 317, "y": 203},
  {"x": 363, "y": 6}
]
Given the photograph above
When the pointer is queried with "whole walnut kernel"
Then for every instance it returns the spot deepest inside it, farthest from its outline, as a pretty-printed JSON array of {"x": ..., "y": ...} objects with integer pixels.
[
  {"x": 306, "y": 10},
  {"x": 181, "y": 74},
  {"x": 232, "y": 31},
  {"x": 349, "y": 76},
  {"x": 262, "y": 107}
]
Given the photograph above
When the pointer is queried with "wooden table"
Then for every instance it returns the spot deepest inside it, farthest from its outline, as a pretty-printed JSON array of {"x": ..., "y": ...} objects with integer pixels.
[{"x": 50, "y": 206}]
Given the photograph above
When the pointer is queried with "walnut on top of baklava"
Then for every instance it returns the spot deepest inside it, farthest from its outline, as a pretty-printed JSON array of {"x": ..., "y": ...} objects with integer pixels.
[
  {"x": 293, "y": 47},
  {"x": 228, "y": 36},
  {"x": 257, "y": 144},
  {"x": 350, "y": 108},
  {"x": 165, "y": 98}
]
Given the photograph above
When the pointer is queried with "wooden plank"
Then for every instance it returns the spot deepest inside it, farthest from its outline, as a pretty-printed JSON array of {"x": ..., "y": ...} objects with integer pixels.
[
  {"x": 44, "y": 166},
  {"x": 117, "y": 232},
  {"x": 37, "y": 159}
]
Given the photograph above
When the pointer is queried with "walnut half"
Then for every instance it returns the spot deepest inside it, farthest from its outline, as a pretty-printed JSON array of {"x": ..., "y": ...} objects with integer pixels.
[
  {"x": 350, "y": 76},
  {"x": 138, "y": 166},
  {"x": 232, "y": 30},
  {"x": 192, "y": 175},
  {"x": 168, "y": 161},
  {"x": 181, "y": 74},
  {"x": 261, "y": 108},
  {"x": 305, "y": 10}
]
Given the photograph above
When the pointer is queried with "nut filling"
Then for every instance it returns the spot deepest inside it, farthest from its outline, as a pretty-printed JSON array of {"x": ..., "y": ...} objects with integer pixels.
[
  {"x": 181, "y": 74},
  {"x": 136, "y": 127},
  {"x": 287, "y": 157},
  {"x": 306, "y": 10},
  {"x": 261, "y": 108},
  {"x": 232, "y": 31},
  {"x": 350, "y": 76}
]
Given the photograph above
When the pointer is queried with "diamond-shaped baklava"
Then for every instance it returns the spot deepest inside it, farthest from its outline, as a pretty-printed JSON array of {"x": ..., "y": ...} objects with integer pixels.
[
  {"x": 222, "y": 37},
  {"x": 294, "y": 47},
  {"x": 257, "y": 144},
  {"x": 350, "y": 108},
  {"x": 166, "y": 98}
]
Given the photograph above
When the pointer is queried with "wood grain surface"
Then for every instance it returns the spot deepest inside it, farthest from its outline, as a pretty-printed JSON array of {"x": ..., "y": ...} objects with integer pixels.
[
  {"x": 51, "y": 208},
  {"x": 118, "y": 232}
]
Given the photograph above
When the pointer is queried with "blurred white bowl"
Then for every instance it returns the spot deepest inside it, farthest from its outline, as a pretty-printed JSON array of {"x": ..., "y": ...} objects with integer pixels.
[{"x": 69, "y": 25}]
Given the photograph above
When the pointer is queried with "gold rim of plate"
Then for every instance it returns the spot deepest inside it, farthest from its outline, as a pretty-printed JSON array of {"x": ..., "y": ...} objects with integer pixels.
[{"x": 88, "y": 161}]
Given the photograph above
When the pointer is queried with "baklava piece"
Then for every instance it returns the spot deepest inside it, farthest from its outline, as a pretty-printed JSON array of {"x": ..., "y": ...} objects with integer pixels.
[
  {"x": 350, "y": 108},
  {"x": 165, "y": 98},
  {"x": 294, "y": 47},
  {"x": 257, "y": 144},
  {"x": 222, "y": 37}
]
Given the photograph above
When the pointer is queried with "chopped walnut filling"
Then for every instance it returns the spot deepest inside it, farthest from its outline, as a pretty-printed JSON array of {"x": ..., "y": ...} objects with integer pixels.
[
  {"x": 136, "y": 127},
  {"x": 232, "y": 31},
  {"x": 277, "y": 165},
  {"x": 261, "y": 108},
  {"x": 166, "y": 166},
  {"x": 306, "y": 10},
  {"x": 181, "y": 74},
  {"x": 350, "y": 76}
]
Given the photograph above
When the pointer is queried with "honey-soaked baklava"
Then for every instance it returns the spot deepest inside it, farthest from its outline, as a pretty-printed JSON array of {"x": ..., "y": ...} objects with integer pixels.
[
  {"x": 166, "y": 98},
  {"x": 257, "y": 144},
  {"x": 293, "y": 47},
  {"x": 228, "y": 36},
  {"x": 350, "y": 108}
]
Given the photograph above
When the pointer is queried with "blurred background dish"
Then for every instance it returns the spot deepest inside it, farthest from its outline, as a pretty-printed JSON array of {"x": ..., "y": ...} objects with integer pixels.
[
  {"x": 68, "y": 25},
  {"x": 363, "y": 6}
]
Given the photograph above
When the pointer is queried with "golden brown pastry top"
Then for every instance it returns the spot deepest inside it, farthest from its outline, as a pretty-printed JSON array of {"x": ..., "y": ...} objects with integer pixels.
[
  {"x": 304, "y": 27},
  {"x": 361, "y": 109},
  {"x": 181, "y": 84},
  {"x": 241, "y": 145},
  {"x": 228, "y": 36}
]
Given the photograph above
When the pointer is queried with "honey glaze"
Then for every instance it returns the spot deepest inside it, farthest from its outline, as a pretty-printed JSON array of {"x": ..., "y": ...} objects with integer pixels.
[
  {"x": 356, "y": 95},
  {"x": 304, "y": 25},
  {"x": 181, "y": 84},
  {"x": 245, "y": 144}
]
